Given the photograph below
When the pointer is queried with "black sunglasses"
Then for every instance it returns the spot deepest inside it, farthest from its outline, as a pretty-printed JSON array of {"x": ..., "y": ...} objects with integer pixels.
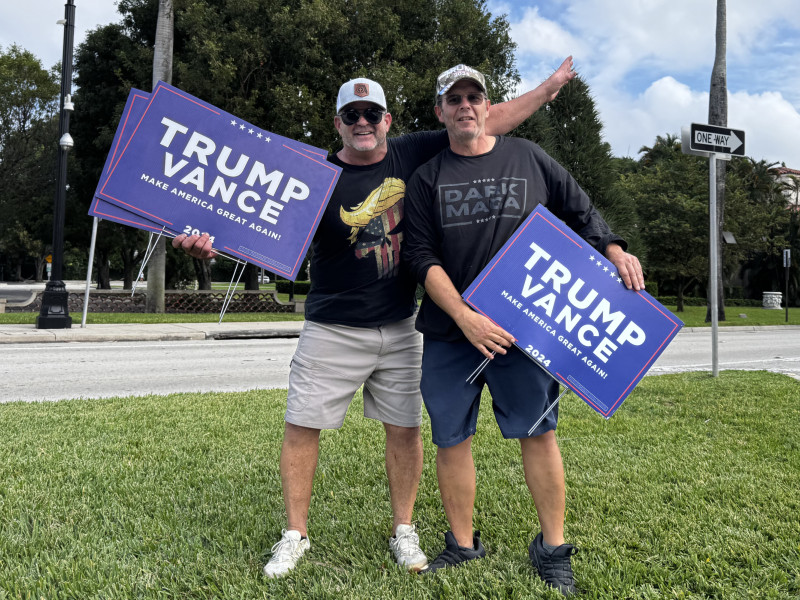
[
  {"x": 351, "y": 116},
  {"x": 455, "y": 99}
]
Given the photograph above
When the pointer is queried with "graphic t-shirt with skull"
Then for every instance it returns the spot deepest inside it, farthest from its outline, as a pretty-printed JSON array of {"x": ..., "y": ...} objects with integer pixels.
[{"x": 357, "y": 277}]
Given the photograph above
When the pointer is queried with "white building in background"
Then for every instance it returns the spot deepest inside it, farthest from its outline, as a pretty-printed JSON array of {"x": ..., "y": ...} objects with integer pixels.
[{"x": 790, "y": 177}]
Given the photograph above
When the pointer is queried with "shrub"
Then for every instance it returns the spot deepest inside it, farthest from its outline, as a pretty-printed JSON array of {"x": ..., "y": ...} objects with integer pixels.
[{"x": 283, "y": 286}]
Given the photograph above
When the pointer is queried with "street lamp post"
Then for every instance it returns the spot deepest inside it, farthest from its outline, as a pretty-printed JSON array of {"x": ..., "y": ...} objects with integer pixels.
[{"x": 54, "y": 313}]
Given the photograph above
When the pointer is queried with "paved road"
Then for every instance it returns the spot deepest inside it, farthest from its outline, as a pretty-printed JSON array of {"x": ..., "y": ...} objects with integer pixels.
[
  {"x": 56, "y": 370},
  {"x": 60, "y": 371},
  {"x": 771, "y": 349}
]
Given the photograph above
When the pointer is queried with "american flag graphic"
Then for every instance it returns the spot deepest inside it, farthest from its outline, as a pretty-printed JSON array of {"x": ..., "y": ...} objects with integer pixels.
[{"x": 386, "y": 247}]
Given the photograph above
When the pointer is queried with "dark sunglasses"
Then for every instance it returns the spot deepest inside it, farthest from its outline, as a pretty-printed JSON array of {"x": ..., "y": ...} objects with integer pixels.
[
  {"x": 351, "y": 116},
  {"x": 455, "y": 99}
]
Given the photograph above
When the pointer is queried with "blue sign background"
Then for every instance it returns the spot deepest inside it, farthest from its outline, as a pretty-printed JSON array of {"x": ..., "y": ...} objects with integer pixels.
[
  {"x": 598, "y": 345},
  {"x": 143, "y": 182},
  {"x": 134, "y": 108}
]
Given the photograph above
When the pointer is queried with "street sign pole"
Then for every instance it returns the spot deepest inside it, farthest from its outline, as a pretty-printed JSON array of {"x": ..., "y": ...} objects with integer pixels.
[
  {"x": 717, "y": 143},
  {"x": 714, "y": 259},
  {"x": 787, "y": 262}
]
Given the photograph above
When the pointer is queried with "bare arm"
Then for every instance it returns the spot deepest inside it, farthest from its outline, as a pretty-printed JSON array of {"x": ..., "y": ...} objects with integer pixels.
[
  {"x": 480, "y": 331},
  {"x": 506, "y": 116}
]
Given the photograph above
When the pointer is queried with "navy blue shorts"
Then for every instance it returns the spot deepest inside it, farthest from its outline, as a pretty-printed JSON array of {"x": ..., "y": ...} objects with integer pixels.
[{"x": 521, "y": 392}]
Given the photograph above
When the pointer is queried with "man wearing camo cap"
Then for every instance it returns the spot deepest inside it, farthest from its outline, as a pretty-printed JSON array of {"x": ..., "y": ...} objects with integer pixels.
[{"x": 462, "y": 206}]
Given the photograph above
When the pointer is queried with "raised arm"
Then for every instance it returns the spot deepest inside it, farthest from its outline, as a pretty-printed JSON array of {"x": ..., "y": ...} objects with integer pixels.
[{"x": 505, "y": 116}]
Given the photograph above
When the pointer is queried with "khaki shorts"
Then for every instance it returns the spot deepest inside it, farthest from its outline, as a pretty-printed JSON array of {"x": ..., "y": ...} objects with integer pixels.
[{"x": 333, "y": 361}]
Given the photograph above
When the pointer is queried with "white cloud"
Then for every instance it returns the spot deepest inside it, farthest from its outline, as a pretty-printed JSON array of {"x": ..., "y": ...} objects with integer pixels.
[
  {"x": 648, "y": 65},
  {"x": 771, "y": 124},
  {"x": 544, "y": 38},
  {"x": 667, "y": 105}
]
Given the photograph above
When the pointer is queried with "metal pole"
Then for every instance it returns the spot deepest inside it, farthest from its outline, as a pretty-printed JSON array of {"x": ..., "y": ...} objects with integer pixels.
[
  {"x": 89, "y": 272},
  {"x": 787, "y": 262},
  {"x": 714, "y": 259},
  {"x": 54, "y": 313}
]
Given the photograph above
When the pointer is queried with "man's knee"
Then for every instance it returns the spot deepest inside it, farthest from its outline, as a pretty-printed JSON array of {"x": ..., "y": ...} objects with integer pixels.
[
  {"x": 397, "y": 434},
  {"x": 297, "y": 435}
]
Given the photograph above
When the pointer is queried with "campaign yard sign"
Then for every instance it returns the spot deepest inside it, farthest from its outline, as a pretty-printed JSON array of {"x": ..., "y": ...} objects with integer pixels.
[
  {"x": 134, "y": 108},
  {"x": 188, "y": 167},
  {"x": 570, "y": 312}
]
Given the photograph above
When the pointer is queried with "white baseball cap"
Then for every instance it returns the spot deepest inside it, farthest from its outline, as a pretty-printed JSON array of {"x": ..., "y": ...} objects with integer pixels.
[{"x": 360, "y": 90}]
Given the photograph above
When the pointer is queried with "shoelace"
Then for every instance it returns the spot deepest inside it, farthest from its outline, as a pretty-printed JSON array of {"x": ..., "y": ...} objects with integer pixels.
[
  {"x": 407, "y": 542},
  {"x": 447, "y": 557},
  {"x": 283, "y": 549},
  {"x": 559, "y": 568}
]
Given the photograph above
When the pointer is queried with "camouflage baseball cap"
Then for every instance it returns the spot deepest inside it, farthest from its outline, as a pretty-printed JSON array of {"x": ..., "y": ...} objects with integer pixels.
[{"x": 448, "y": 78}]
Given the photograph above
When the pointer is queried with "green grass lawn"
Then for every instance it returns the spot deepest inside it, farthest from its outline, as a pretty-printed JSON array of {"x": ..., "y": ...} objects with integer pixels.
[
  {"x": 692, "y": 316},
  {"x": 695, "y": 316},
  {"x": 689, "y": 491}
]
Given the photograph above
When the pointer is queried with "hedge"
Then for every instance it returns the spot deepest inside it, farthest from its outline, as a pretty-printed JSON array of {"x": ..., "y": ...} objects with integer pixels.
[{"x": 283, "y": 286}]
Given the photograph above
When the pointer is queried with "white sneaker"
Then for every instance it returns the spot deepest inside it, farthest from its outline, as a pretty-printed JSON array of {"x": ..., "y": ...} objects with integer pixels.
[
  {"x": 405, "y": 545},
  {"x": 286, "y": 553}
]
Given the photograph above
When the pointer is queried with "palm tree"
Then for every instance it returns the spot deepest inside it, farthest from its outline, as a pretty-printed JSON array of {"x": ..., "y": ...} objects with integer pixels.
[
  {"x": 718, "y": 115},
  {"x": 162, "y": 71},
  {"x": 664, "y": 148}
]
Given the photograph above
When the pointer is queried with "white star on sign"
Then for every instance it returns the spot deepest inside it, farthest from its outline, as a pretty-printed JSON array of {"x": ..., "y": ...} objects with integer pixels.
[
  {"x": 259, "y": 135},
  {"x": 591, "y": 258},
  {"x": 605, "y": 269},
  {"x": 233, "y": 122},
  {"x": 599, "y": 264},
  {"x": 266, "y": 139},
  {"x": 250, "y": 131}
]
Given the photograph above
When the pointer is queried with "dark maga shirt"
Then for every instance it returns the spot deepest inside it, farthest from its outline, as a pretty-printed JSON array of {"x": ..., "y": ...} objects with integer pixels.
[{"x": 460, "y": 210}]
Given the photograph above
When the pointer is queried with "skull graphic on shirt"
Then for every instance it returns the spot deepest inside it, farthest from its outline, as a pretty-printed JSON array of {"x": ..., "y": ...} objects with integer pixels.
[{"x": 374, "y": 225}]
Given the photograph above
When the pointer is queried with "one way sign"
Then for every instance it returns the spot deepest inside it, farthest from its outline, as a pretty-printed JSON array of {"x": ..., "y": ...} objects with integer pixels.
[{"x": 720, "y": 140}]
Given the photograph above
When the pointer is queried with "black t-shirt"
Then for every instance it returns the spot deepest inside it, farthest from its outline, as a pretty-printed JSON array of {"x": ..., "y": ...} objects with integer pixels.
[
  {"x": 356, "y": 274},
  {"x": 462, "y": 209}
]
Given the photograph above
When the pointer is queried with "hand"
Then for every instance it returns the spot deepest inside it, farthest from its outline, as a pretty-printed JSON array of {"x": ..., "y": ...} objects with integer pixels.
[
  {"x": 196, "y": 246},
  {"x": 484, "y": 334},
  {"x": 557, "y": 80},
  {"x": 627, "y": 265}
]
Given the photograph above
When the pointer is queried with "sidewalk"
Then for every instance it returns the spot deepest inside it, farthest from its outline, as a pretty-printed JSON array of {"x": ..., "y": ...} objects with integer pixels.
[{"x": 134, "y": 332}]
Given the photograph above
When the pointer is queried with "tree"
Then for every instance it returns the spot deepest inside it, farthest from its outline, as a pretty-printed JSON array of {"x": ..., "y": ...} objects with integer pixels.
[
  {"x": 670, "y": 189},
  {"x": 162, "y": 71},
  {"x": 718, "y": 115},
  {"x": 279, "y": 63},
  {"x": 765, "y": 226},
  {"x": 569, "y": 129},
  {"x": 28, "y": 129}
]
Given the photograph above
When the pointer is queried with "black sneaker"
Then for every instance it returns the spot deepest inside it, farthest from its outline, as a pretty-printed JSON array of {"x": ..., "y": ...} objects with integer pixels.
[
  {"x": 453, "y": 554},
  {"x": 554, "y": 567}
]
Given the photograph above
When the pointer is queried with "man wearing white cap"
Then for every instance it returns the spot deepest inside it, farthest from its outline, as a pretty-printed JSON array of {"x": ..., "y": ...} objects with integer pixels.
[
  {"x": 462, "y": 206},
  {"x": 359, "y": 327}
]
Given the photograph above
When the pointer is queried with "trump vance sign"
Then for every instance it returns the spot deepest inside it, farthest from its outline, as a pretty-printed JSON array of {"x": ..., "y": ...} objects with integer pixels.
[{"x": 570, "y": 312}]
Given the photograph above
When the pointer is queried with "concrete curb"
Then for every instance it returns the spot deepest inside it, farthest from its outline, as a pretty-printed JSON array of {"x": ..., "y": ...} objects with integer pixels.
[{"x": 20, "y": 334}]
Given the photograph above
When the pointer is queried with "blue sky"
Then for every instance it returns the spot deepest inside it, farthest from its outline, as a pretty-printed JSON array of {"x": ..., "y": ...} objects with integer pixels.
[
  {"x": 648, "y": 65},
  {"x": 647, "y": 62}
]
